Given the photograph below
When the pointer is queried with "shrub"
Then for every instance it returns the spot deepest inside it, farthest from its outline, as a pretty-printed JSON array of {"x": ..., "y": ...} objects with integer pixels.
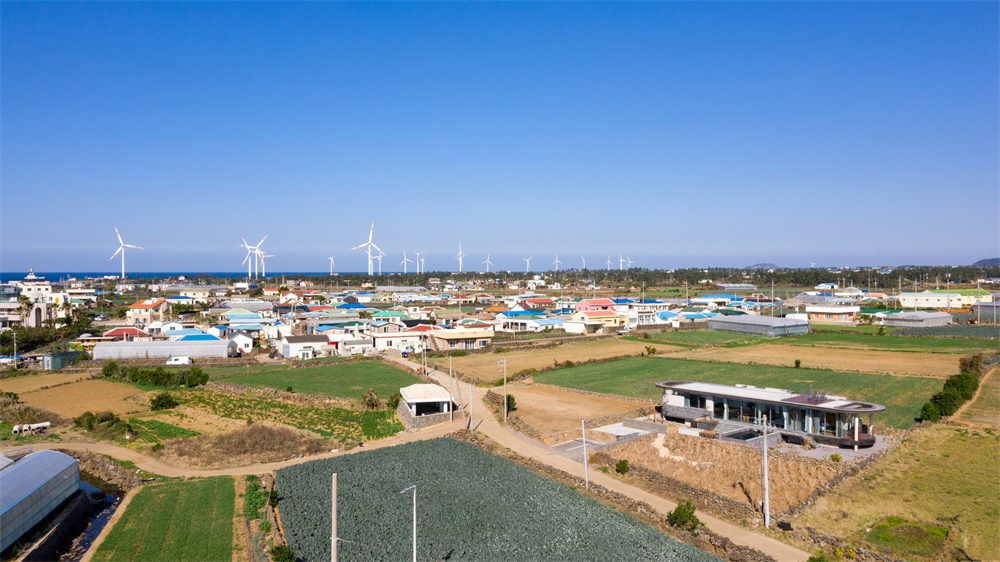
[
  {"x": 621, "y": 467},
  {"x": 964, "y": 384},
  {"x": 156, "y": 447},
  {"x": 930, "y": 412},
  {"x": 821, "y": 557},
  {"x": 974, "y": 364},
  {"x": 109, "y": 369},
  {"x": 163, "y": 401},
  {"x": 835, "y": 457},
  {"x": 947, "y": 401},
  {"x": 282, "y": 553},
  {"x": 393, "y": 401},
  {"x": 650, "y": 350},
  {"x": 798, "y": 363},
  {"x": 289, "y": 388},
  {"x": 511, "y": 403},
  {"x": 458, "y": 353},
  {"x": 265, "y": 527},
  {"x": 683, "y": 516}
]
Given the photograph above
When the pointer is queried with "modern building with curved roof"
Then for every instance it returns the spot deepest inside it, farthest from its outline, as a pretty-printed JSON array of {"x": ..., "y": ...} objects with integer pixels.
[
  {"x": 827, "y": 419},
  {"x": 31, "y": 488}
]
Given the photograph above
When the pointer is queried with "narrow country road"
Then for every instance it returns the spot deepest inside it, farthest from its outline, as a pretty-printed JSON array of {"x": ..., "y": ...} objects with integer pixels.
[{"x": 486, "y": 424}]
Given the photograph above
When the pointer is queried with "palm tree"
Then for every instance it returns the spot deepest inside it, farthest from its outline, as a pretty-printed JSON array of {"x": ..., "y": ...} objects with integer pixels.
[{"x": 25, "y": 308}]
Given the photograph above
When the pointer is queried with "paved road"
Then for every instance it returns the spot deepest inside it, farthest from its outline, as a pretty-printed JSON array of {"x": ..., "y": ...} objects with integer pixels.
[{"x": 484, "y": 423}]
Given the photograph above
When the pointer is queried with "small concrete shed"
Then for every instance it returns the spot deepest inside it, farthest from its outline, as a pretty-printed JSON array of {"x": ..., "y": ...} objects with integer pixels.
[{"x": 425, "y": 399}]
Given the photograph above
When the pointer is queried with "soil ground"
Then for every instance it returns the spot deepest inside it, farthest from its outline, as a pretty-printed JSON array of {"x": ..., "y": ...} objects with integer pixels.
[
  {"x": 887, "y": 362},
  {"x": 985, "y": 407},
  {"x": 29, "y": 383},
  {"x": 71, "y": 400},
  {"x": 483, "y": 366},
  {"x": 197, "y": 420},
  {"x": 730, "y": 470},
  {"x": 550, "y": 409}
]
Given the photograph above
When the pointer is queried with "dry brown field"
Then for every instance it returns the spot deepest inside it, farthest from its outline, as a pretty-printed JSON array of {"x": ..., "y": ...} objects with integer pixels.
[
  {"x": 483, "y": 366},
  {"x": 29, "y": 383},
  {"x": 71, "y": 400},
  {"x": 886, "y": 362},
  {"x": 550, "y": 409},
  {"x": 729, "y": 469},
  {"x": 985, "y": 408}
]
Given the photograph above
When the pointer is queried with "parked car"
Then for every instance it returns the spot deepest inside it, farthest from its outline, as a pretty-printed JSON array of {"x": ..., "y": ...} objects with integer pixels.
[{"x": 180, "y": 360}]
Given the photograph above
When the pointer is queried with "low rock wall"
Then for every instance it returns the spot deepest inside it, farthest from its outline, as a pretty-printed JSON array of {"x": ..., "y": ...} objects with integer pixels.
[
  {"x": 412, "y": 422},
  {"x": 107, "y": 470}
]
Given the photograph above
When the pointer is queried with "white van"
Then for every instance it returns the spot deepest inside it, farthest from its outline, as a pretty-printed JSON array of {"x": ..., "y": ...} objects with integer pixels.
[{"x": 179, "y": 360}]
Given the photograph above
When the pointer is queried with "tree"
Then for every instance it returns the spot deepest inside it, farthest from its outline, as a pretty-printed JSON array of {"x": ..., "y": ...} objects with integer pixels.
[
  {"x": 370, "y": 400},
  {"x": 24, "y": 308},
  {"x": 511, "y": 403},
  {"x": 683, "y": 516}
]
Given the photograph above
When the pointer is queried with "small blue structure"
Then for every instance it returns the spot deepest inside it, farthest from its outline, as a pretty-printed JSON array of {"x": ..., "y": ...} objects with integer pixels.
[{"x": 31, "y": 488}]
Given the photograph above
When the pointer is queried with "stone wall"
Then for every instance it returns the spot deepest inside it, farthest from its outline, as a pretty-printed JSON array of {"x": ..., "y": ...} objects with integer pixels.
[
  {"x": 107, "y": 470},
  {"x": 705, "y": 539}
]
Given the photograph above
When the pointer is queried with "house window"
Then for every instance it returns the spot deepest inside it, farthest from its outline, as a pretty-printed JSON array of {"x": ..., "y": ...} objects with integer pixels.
[{"x": 451, "y": 344}]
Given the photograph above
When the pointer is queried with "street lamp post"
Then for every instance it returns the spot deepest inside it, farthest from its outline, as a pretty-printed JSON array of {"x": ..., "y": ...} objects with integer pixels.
[
  {"x": 761, "y": 424},
  {"x": 414, "y": 488}
]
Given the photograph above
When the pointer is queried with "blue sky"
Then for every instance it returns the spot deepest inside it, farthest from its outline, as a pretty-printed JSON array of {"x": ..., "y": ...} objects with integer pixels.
[{"x": 680, "y": 134}]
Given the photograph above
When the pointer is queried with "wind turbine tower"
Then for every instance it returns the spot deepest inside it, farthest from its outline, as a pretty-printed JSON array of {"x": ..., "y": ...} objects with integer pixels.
[
  {"x": 584, "y": 262},
  {"x": 488, "y": 263},
  {"x": 331, "y": 265},
  {"x": 556, "y": 263},
  {"x": 420, "y": 261},
  {"x": 405, "y": 261},
  {"x": 460, "y": 256},
  {"x": 368, "y": 250},
  {"x": 121, "y": 249},
  {"x": 527, "y": 264},
  {"x": 609, "y": 262}
]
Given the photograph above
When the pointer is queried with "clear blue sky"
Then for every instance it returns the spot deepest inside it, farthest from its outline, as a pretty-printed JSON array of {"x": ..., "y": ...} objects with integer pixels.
[{"x": 680, "y": 134}]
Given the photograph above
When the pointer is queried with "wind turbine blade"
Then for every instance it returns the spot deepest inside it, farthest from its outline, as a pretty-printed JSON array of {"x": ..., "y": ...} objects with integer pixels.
[
  {"x": 116, "y": 252},
  {"x": 246, "y": 258},
  {"x": 131, "y": 246},
  {"x": 359, "y": 246},
  {"x": 119, "y": 235},
  {"x": 261, "y": 240},
  {"x": 377, "y": 248},
  {"x": 371, "y": 231}
]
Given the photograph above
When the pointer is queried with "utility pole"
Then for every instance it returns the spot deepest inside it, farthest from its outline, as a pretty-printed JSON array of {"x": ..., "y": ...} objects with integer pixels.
[
  {"x": 333, "y": 518},
  {"x": 15, "y": 349},
  {"x": 762, "y": 424},
  {"x": 586, "y": 470},
  {"x": 470, "y": 406},
  {"x": 502, "y": 365}
]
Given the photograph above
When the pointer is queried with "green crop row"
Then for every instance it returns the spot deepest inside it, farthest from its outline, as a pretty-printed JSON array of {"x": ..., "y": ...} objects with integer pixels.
[
  {"x": 155, "y": 430},
  {"x": 470, "y": 506}
]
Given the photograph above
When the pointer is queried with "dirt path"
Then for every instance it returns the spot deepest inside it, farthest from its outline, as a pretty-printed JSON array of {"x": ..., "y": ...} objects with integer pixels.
[{"x": 984, "y": 384}]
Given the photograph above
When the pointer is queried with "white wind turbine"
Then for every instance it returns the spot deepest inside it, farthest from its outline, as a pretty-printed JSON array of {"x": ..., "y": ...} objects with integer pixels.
[
  {"x": 259, "y": 256},
  {"x": 609, "y": 262},
  {"x": 121, "y": 249},
  {"x": 368, "y": 249},
  {"x": 527, "y": 264},
  {"x": 488, "y": 263},
  {"x": 405, "y": 261},
  {"x": 331, "y": 264},
  {"x": 420, "y": 261},
  {"x": 263, "y": 264},
  {"x": 460, "y": 256},
  {"x": 556, "y": 263},
  {"x": 246, "y": 260},
  {"x": 379, "y": 257},
  {"x": 584, "y": 262},
  {"x": 629, "y": 261}
]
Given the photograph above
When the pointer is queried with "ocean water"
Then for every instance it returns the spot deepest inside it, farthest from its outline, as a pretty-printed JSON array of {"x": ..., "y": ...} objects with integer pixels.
[{"x": 55, "y": 276}]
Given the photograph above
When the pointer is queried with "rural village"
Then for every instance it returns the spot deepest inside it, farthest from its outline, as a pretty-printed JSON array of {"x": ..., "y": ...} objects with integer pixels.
[{"x": 743, "y": 415}]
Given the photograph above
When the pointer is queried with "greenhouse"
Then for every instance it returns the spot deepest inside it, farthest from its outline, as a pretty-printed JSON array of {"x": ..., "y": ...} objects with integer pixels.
[
  {"x": 767, "y": 326},
  {"x": 164, "y": 349},
  {"x": 31, "y": 488}
]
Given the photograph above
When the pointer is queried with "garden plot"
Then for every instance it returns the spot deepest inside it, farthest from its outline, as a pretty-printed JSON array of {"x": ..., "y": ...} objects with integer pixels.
[
  {"x": 71, "y": 400},
  {"x": 470, "y": 506},
  {"x": 865, "y": 361}
]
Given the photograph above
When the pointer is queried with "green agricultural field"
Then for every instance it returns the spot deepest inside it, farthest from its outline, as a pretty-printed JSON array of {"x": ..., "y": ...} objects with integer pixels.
[
  {"x": 863, "y": 329},
  {"x": 471, "y": 505},
  {"x": 190, "y": 520},
  {"x": 344, "y": 380},
  {"x": 902, "y": 396},
  {"x": 336, "y": 422},
  {"x": 891, "y": 343},
  {"x": 154, "y": 430},
  {"x": 696, "y": 338}
]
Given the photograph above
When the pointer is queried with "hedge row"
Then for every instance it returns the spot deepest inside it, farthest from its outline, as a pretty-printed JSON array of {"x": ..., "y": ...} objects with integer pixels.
[{"x": 155, "y": 377}]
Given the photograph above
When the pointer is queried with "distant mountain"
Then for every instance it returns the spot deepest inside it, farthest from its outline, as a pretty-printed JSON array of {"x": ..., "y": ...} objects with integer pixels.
[
  {"x": 762, "y": 266},
  {"x": 991, "y": 262}
]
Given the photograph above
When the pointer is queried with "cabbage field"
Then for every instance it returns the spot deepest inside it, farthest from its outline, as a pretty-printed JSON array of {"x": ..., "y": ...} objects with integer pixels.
[{"x": 471, "y": 505}]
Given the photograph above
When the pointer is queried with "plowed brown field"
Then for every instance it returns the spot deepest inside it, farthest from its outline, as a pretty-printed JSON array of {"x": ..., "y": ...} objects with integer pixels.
[
  {"x": 29, "y": 383},
  {"x": 550, "y": 409}
]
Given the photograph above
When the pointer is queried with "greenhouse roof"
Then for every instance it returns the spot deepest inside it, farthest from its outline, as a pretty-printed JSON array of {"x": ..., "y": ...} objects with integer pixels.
[{"x": 25, "y": 476}]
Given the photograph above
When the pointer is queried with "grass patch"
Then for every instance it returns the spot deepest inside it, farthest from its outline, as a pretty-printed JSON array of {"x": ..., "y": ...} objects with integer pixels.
[
  {"x": 902, "y": 396},
  {"x": 154, "y": 430},
  {"x": 190, "y": 520},
  {"x": 889, "y": 343},
  {"x": 907, "y": 538},
  {"x": 697, "y": 338},
  {"x": 845, "y": 329},
  {"x": 346, "y": 380},
  {"x": 941, "y": 475}
]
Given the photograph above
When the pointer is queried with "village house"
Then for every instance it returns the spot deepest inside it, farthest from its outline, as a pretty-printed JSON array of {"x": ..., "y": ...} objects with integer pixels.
[{"x": 145, "y": 312}]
